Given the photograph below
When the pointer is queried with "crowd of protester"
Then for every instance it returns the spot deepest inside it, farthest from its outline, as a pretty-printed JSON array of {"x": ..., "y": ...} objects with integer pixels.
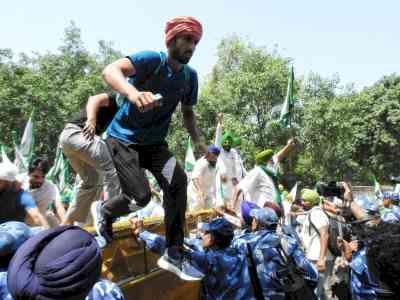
[{"x": 319, "y": 242}]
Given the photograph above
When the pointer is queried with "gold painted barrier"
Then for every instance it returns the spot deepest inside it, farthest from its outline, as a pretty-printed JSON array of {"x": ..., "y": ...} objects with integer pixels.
[{"x": 128, "y": 263}]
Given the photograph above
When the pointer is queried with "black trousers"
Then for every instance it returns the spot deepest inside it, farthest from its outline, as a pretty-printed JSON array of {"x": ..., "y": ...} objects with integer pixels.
[{"x": 130, "y": 160}]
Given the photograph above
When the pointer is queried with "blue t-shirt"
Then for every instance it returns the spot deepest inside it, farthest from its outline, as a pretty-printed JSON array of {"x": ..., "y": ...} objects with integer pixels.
[
  {"x": 18, "y": 202},
  {"x": 153, "y": 74},
  {"x": 26, "y": 200}
]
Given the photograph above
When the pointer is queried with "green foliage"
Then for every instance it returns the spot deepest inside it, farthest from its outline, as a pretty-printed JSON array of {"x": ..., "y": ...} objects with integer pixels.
[
  {"x": 245, "y": 84},
  {"x": 55, "y": 84},
  {"x": 344, "y": 134}
]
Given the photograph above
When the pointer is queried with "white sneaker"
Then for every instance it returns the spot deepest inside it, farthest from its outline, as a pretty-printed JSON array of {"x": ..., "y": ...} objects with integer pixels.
[{"x": 180, "y": 267}]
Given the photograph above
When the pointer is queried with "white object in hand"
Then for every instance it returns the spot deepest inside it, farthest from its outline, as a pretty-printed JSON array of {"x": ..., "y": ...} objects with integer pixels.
[{"x": 157, "y": 97}]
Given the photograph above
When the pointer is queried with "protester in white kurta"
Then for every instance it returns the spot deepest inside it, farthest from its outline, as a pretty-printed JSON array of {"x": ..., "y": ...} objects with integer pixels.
[
  {"x": 227, "y": 171},
  {"x": 201, "y": 188},
  {"x": 260, "y": 184},
  {"x": 257, "y": 186}
]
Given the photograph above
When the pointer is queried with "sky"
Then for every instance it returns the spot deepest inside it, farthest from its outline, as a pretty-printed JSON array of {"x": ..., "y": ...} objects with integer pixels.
[{"x": 358, "y": 40}]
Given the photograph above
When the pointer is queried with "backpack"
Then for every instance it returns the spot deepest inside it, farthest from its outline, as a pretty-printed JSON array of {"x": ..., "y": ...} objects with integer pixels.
[
  {"x": 291, "y": 277},
  {"x": 334, "y": 231}
]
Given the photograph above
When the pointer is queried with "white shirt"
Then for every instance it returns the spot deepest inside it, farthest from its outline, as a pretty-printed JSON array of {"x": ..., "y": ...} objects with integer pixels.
[
  {"x": 227, "y": 164},
  {"x": 258, "y": 186},
  {"x": 310, "y": 238},
  {"x": 240, "y": 169},
  {"x": 43, "y": 196},
  {"x": 203, "y": 172}
]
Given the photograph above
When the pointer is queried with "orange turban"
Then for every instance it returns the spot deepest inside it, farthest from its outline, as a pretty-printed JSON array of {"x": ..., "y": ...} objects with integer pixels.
[{"x": 183, "y": 25}]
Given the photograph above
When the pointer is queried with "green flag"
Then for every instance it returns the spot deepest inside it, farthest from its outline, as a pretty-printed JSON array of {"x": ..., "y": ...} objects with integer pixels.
[
  {"x": 190, "y": 160},
  {"x": 52, "y": 173},
  {"x": 59, "y": 172},
  {"x": 4, "y": 157},
  {"x": 69, "y": 194},
  {"x": 287, "y": 108},
  {"x": 377, "y": 187},
  {"x": 24, "y": 152}
]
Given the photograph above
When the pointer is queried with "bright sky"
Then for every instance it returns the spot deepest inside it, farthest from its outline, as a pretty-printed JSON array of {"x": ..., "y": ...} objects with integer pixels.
[{"x": 359, "y": 40}]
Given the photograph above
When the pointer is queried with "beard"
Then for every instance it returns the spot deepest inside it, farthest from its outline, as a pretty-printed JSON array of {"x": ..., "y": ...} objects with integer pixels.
[
  {"x": 212, "y": 164},
  {"x": 227, "y": 148},
  {"x": 35, "y": 185},
  {"x": 181, "y": 57}
]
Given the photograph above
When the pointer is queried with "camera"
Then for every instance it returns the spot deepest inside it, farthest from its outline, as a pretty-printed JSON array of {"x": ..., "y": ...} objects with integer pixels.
[
  {"x": 395, "y": 179},
  {"x": 330, "y": 189}
]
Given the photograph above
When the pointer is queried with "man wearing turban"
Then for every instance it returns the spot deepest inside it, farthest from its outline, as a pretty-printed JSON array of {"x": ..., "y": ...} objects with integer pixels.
[
  {"x": 201, "y": 189},
  {"x": 157, "y": 83},
  {"x": 12, "y": 236},
  {"x": 260, "y": 184},
  {"x": 227, "y": 171},
  {"x": 59, "y": 263}
]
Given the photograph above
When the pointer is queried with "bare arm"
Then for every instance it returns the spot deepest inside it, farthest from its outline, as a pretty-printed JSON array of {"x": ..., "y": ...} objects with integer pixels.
[
  {"x": 93, "y": 105},
  {"x": 357, "y": 211},
  {"x": 285, "y": 150},
  {"x": 324, "y": 235},
  {"x": 37, "y": 217},
  {"x": 218, "y": 130},
  {"x": 92, "y": 108},
  {"x": 348, "y": 193},
  {"x": 115, "y": 76},
  {"x": 189, "y": 121},
  {"x": 197, "y": 185},
  {"x": 60, "y": 210},
  {"x": 236, "y": 195}
]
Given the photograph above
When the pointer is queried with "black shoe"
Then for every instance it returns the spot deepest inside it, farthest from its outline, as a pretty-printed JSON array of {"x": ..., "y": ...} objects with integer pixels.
[{"x": 103, "y": 226}]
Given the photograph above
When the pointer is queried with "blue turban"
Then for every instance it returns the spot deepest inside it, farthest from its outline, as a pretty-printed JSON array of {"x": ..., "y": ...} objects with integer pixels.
[
  {"x": 12, "y": 235},
  {"x": 213, "y": 149},
  {"x": 59, "y": 263}
]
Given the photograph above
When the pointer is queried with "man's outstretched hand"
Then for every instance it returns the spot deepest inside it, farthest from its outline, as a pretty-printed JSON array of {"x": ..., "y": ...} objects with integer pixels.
[{"x": 136, "y": 225}]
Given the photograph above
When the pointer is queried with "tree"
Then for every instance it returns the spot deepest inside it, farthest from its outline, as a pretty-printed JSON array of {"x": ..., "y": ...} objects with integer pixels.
[{"x": 55, "y": 84}]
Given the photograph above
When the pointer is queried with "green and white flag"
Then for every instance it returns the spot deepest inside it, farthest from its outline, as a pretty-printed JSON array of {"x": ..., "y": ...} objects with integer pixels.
[
  {"x": 24, "y": 152},
  {"x": 287, "y": 108},
  {"x": 4, "y": 157},
  {"x": 69, "y": 194},
  {"x": 190, "y": 160},
  {"x": 377, "y": 189},
  {"x": 59, "y": 172}
]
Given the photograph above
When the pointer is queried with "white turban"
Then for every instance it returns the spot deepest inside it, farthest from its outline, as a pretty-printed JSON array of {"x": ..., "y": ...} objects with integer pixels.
[{"x": 8, "y": 171}]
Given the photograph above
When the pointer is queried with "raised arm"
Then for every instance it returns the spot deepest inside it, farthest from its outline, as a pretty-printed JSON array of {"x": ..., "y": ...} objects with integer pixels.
[
  {"x": 218, "y": 130},
  {"x": 285, "y": 150}
]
